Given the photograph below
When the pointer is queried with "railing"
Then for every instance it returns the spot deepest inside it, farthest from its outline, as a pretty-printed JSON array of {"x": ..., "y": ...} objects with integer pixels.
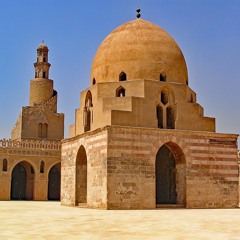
[{"x": 30, "y": 144}]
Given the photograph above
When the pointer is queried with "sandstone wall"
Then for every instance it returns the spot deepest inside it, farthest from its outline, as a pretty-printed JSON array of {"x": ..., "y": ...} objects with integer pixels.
[
  {"x": 138, "y": 107},
  {"x": 17, "y": 129},
  {"x": 95, "y": 145},
  {"x": 210, "y": 178},
  {"x": 121, "y": 167},
  {"x": 32, "y": 152}
]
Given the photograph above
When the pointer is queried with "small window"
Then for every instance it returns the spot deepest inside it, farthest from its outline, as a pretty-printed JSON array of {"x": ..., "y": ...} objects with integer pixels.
[
  {"x": 5, "y": 165},
  {"x": 163, "y": 77},
  {"x": 94, "y": 81},
  {"x": 122, "y": 76},
  {"x": 35, "y": 74},
  {"x": 44, "y": 59},
  {"x": 44, "y": 74},
  {"x": 120, "y": 92},
  {"x": 42, "y": 167},
  {"x": 192, "y": 98},
  {"x": 87, "y": 112},
  {"x": 40, "y": 130},
  {"x": 44, "y": 130}
]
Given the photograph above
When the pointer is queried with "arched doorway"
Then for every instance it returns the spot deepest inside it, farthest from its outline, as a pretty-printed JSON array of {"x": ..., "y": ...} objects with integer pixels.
[
  {"x": 165, "y": 177},
  {"x": 54, "y": 182},
  {"x": 22, "y": 183},
  {"x": 81, "y": 176},
  {"x": 170, "y": 175}
]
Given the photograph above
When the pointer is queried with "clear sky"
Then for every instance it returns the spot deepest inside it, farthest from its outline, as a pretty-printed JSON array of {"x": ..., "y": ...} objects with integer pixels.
[{"x": 207, "y": 31}]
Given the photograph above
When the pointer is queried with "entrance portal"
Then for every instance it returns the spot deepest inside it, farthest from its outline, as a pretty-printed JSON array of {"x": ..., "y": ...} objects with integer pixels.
[
  {"x": 165, "y": 177},
  {"x": 22, "y": 182},
  {"x": 81, "y": 176},
  {"x": 54, "y": 183}
]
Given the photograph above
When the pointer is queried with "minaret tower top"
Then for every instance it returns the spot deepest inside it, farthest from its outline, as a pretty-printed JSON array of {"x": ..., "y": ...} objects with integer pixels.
[
  {"x": 41, "y": 87},
  {"x": 42, "y": 66}
]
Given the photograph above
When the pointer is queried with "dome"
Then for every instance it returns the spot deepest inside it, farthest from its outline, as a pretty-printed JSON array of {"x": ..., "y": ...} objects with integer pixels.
[
  {"x": 141, "y": 50},
  {"x": 42, "y": 46}
]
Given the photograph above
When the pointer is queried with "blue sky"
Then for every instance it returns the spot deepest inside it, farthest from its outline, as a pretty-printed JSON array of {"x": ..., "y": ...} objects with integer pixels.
[{"x": 207, "y": 31}]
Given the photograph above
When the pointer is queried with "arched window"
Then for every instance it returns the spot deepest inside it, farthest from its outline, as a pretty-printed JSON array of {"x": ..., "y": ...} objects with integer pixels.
[
  {"x": 191, "y": 98},
  {"x": 88, "y": 100},
  {"x": 94, "y": 81},
  {"x": 170, "y": 118},
  {"x": 42, "y": 165},
  {"x": 122, "y": 76},
  {"x": 87, "y": 112},
  {"x": 160, "y": 116},
  {"x": 120, "y": 92},
  {"x": 5, "y": 165},
  {"x": 165, "y": 110},
  {"x": 163, "y": 77},
  {"x": 42, "y": 130}
]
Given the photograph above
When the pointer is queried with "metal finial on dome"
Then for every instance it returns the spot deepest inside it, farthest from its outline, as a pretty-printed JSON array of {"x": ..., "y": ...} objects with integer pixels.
[{"x": 138, "y": 12}]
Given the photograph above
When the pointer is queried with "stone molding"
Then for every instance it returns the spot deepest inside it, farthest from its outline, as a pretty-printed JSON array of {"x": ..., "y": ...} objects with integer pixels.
[{"x": 30, "y": 144}]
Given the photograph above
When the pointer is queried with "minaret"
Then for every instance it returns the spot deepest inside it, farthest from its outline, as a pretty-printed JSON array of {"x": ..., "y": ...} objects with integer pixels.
[{"x": 41, "y": 87}]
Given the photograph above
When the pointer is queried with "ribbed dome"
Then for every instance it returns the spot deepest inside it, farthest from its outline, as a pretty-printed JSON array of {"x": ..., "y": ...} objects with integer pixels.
[{"x": 142, "y": 50}]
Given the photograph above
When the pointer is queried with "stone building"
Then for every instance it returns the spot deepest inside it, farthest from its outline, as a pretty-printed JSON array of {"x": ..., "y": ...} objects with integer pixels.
[
  {"x": 30, "y": 163},
  {"x": 140, "y": 138}
]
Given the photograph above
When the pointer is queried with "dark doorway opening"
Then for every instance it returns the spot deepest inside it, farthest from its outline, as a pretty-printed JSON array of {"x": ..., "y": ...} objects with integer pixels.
[
  {"x": 54, "y": 183},
  {"x": 22, "y": 182},
  {"x": 165, "y": 177}
]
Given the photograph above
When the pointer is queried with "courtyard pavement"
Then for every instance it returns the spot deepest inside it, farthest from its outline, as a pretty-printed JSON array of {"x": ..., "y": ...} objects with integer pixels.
[{"x": 48, "y": 220}]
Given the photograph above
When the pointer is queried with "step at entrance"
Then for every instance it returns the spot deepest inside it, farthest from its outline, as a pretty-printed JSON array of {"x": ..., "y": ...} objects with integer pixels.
[{"x": 170, "y": 206}]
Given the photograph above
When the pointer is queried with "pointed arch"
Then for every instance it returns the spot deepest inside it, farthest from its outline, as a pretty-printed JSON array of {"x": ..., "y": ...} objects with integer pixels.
[
  {"x": 120, "y": 91},
  {"x": 5, "y": 165},
  {"x": 42, "y": 130},
  {"x": 163, "y": 77},
  {"x": 165, "y": 177},
  {"x": 160, "y": 116},
  {"x": 88, "y": 112},
  {"x": 54, "y": 182},
  {"x": 122, "y": 76},
  {"x": 88, "y": 99},
  {"x": 170, "y": 118},
  {"x": 166, "y": 108},
  {"x": 81, "y": 176},
  {"x": 170, "y": 169},
  {"x": 22, "y": 183}
]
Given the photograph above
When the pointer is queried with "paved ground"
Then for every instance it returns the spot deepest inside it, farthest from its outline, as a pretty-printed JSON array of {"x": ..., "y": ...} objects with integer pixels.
[{"x": 49, "y": 220}]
